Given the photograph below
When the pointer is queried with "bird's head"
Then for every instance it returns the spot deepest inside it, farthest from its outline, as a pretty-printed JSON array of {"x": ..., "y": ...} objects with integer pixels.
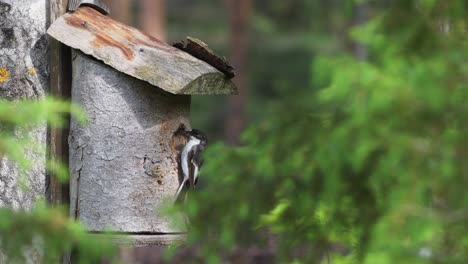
[{"x": 198, "y": 135}]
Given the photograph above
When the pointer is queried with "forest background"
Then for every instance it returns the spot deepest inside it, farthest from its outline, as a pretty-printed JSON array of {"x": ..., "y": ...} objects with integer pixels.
[{"x": 346, "y": 144}]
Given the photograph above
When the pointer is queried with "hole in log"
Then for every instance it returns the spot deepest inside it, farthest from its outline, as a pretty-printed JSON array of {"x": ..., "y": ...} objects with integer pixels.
[{"x": 178, "y": 140}]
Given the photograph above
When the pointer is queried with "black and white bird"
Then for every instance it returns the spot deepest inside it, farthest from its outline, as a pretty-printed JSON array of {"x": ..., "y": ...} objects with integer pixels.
[
  {"x": 191, "y": 160},
  {"x": 96, "y": 4}
]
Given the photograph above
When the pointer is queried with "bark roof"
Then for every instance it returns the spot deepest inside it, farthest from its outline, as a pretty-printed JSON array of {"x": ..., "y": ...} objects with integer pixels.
[{"x": 142, "y": 56}]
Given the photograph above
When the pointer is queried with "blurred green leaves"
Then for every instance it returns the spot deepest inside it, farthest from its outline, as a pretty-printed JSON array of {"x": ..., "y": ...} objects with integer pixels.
[
  {"x": 50, "y": 233},
  {"x": 374, "y": 160},
  {"x": 43, "y": 233},
  {"x": 18, "y": 118},
  {"x": 29, "y": 113}
]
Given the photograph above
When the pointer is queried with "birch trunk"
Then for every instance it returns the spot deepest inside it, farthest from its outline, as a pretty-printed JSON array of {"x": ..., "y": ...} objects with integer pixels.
[
  {"x": 24, "y": 75},
  {"x": 24, "y": 67}
]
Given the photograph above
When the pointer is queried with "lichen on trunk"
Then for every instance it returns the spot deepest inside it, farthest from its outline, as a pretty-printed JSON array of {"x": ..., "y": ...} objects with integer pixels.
[{"x": 23, "y": 75}]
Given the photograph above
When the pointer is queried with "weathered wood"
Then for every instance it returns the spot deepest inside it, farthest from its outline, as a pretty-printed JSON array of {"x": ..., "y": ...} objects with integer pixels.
[
  {"x": 200, "y": 50},
  {"x": 60, "y": 87},
  {"x": 58, "y": 193},
  {"x": 142, "y": 240},
  {"x": 142, "y": 248},
  {"x": 122, "y": 162},
  {"x": 138, "y": 54}
]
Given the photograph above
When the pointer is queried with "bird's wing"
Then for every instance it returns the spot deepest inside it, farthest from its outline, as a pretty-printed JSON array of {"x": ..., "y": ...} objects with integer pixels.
[
  {"x": 196, "y": 163},
  {"x": 191, "y": 169},
  {"x": 195, "y": 173},
  {"x": 183, "y": 187}
]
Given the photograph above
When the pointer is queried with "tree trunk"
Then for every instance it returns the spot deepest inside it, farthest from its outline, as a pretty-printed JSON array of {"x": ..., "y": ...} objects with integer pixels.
[
  {"x": 123, "y": 163},
  {"x": 153, "y": 20},
  {"x": 121, "y": 10},
  {"x": 24, "y": 75},
  {"x": 239, "y": 13},
  {"x": 24, "y": 60},
  {"x": 360, "y": 18}
]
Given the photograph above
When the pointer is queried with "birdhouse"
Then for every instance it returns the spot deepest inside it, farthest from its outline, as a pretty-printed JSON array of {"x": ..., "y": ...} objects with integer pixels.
[{"x": 136, "y": 91}]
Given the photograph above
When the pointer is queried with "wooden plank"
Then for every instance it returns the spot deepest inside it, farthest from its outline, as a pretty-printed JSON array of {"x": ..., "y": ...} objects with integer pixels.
[
  {"x": 140, "y": 248},
  {"x": 136, "y": 240},
  {"x": 60, "y": 87},
  {"x": 138, "y": 54}
]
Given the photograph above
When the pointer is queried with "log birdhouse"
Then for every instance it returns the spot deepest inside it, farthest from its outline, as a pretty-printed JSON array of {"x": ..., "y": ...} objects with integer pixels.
[{"x": 136, "y": 91}]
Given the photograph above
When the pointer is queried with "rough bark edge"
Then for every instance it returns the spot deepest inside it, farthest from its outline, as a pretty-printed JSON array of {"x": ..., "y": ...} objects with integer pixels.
[{"x": 200, "y": 50}]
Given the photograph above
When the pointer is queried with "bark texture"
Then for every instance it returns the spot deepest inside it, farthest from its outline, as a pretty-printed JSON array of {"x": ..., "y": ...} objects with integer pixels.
[
  {"x": 23, "y": 74},
  {"x": 123, "y": 163}
]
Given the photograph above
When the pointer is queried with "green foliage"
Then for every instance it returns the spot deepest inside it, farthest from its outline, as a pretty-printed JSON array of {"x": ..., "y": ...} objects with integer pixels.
[
  {"x": 43, "y": 232},
  {"x": 375, "y": 159},
  {"x": 18, "y": 118},
  {"x": 49, "y": 233}
]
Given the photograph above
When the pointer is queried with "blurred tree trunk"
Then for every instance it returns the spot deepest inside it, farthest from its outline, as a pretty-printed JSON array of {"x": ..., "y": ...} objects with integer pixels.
[
  {"x": 236, "y": 119},
  {"x": 121, "y": 10},
  {"x": 360, "y": 50},
  {"x": 152, "y": 18}
]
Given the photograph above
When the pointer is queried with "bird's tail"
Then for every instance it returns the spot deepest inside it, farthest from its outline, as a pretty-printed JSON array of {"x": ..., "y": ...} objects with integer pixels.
[{"x": 179, "y": 190}]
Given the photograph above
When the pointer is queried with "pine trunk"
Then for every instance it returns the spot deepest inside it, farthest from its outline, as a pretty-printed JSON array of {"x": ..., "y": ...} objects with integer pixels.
[
  {"x": 236, "y": 119},
  {"x": 121, "y": 10},
  {"x": 153, "y": 18}
]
